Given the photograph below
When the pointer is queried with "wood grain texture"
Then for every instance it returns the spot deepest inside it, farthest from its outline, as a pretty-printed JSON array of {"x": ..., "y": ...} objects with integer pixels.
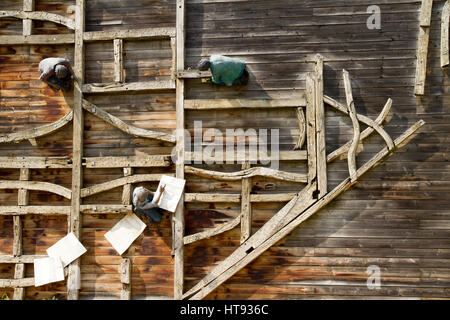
[{"x": 445, "y": 24}]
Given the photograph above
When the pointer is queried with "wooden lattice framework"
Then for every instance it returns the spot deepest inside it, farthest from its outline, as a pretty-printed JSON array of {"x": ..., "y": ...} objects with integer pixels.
[
  {"x": 300, "y": 206},
  {"x": 77, "y": 162}
]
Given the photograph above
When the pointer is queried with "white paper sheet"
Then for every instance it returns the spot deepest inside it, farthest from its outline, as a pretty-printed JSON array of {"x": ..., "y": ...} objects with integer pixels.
[
  {"x": 123, "y": 234},
  {"x": 48, "y": 270},
  {"x": 172, "y": 193},
  {"x": 67, "y": 249}
]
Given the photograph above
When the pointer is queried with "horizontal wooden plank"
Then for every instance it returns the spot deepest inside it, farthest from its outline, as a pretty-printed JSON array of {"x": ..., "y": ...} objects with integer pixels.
[
  {"x": 124, "y": 162},
  {"x": 248, "y": 173},
  {"x": 193, "y": 74},
  {"x": 35, "y": 210},
  {"x": 38, "y": 39},
  {"x": 106, "y": 209},
  {"x": 21, "y": 259},
  {"x": 35, "y": 162},
  {"x": 16, "y": 283},
  {"x": 296, "y": 155},
  {"x": 128, "y": 87},
  {"x": 236, "y": 198},
  {"x": 207, "y": 104},
  {"x": 139, "y": 34}
]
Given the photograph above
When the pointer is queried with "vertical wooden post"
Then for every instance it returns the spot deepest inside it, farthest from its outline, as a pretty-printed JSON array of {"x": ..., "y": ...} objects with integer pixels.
[
  {"x": 23, "y": 199},
  {"x": 322, "y": 181},
  {"x": 118, "y": 60},
  {"x": 28, "y": 6},
  {"x": 311, "y": 127},
  {"x": 178, "y": 224},
  {"x": 126, "y": 193},
  {"x": 445, "y": 23},
  {"x": 125, "y": 269},
  {"x": 125, "y": 278},
  {"x": 422, "y": 46},
  {"x": 74, "y": 278},
  {"x": 173, "y": 47},
  {"x": 246, "y": 209}
]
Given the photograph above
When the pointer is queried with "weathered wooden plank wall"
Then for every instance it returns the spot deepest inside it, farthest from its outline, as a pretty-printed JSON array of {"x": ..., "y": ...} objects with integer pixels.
[{"x": 396, "y": 217}]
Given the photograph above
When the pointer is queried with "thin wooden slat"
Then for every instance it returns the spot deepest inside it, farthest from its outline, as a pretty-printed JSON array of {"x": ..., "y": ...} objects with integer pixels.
[
  {"x": 242, "y": 103},
  {"x": 19, "y": 273},
  {"x": 17, "y": 243},
  {"x": 122, "y": 162},
  {"x": 126, "y": 192},
  {"x": 445, "y": 23},
  {"x": 248, "y": 173},
  {"x": 89, "y": 191},
  {"x": 34, "y": 210},
  {"x": 35, "y": 162},
  {"x": 322, "y": 181},
  {"x": 208, "y": 197},
  {"x": 213, "y": 231},
  {"x": 28, "y": 6},
  {"x": 128, "y": 87},
  {"x": 193, "y": 74},
  {"x": 311, "y": 127},
  {"x": 236, "y": 198},
  {"x": 178, "y": 217},
  {"x": 37, "y": 39},
  {"x": 140, "y": 34},
  {"x": 22, "y": 259},
  {"x": 39, "y": 15},
  {"x": 125, "y": 278},
  {"x": 119, "y": 124},
  {"x": 219, "y": 276},
  {"x": 302, "y": 129},
  {"x": 246, "y": 206},
  {"x": 356, "y": 128},
  {"x": 36, "y": 185},
  {"x": 296, "y": 155},
  {"x": 22, "y": 200},
  {"x": 173, "y": 49},
  {"x": 38, "y": 131},
  {"x": 75, "y": 223},
  {"x": 16, "y": 283},
  {"x": 118, "y": 60},
  {"x": 272, "y": 197},
  {"x": 106, "y": 209}
]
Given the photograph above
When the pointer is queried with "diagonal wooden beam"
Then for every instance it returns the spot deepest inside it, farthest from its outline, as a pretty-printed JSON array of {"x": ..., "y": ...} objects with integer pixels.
[{"x": 227, "y": 269}]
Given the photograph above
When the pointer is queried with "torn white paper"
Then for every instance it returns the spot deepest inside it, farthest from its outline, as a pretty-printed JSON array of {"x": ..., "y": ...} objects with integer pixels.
[
  {"x": 123, "y": 234},
  {"x": 68, "y": 249},
  {"x": 48, "y": 270},
  {"x": 172, "y": 193}
]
